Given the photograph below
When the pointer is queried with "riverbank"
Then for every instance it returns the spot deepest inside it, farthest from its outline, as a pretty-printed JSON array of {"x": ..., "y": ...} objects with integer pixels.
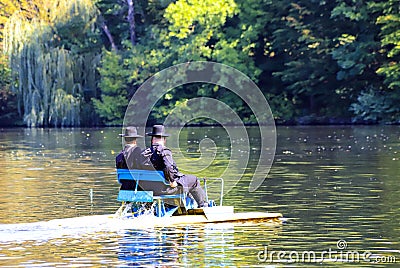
[{"x": 308, "y": 120}]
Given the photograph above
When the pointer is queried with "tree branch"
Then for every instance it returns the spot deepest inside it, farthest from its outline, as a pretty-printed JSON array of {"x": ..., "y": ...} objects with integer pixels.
[
  {"x": 131, "y": 20},
  {"x": 109, "y": 35}
]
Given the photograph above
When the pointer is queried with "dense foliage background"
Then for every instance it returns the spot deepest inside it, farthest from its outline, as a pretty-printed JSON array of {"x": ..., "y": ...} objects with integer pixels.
[{"x": 78, "y": 62}]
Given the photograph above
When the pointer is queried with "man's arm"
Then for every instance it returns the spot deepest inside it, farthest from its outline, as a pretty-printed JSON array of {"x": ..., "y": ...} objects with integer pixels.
[{"x": 171, "y": 169}]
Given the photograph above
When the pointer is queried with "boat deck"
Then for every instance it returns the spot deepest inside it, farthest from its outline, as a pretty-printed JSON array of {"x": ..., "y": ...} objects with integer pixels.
[{"x": 224, "y": 217}]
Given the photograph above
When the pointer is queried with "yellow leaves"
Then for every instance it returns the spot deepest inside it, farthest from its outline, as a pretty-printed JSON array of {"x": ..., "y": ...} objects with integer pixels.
[
  {"x": 7, "y": 8},
  {"x": 186, "y": 15},
  {"x": 387, "y": 18},
  {"x": 42, "y": 10},
  {"x": 205, "y": 51},
  {"x": 314, "y": 45},
  {"x": 346, "y": 39},
  {"x": 168, "y": 96},
  {"x": 290, "y": 19},
  {"x": 306, "y": 31}
]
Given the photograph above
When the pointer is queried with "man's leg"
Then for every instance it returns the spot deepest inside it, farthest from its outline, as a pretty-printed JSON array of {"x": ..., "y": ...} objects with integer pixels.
[{"x": 192, "y": 184}]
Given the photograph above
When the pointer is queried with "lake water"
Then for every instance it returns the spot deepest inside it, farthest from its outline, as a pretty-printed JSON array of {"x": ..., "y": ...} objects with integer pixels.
[{"x": 337, "y": 186}]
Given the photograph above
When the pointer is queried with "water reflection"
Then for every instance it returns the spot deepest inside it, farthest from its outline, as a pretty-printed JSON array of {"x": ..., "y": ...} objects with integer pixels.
[
  {"x": 204, "y": 245},
  {"x": 201, "y": 245},
  {"x": 141, "y": 248}
]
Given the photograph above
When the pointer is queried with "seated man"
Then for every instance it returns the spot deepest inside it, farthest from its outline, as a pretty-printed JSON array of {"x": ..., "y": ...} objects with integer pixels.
[
  {"x": 161, "y": 159},
  {"x": 130, "y": 157}
]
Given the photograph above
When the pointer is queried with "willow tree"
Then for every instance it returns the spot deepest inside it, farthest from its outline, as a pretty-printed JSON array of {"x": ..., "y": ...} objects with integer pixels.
[{"x": 53, "y": 59}]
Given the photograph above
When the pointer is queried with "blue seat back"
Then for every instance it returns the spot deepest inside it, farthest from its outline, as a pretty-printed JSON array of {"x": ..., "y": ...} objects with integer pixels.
[{"x": 141, "y": 175}]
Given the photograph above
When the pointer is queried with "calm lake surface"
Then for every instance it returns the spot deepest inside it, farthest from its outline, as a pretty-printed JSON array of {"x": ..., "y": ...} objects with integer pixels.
[{"x": 337, "y": 186}]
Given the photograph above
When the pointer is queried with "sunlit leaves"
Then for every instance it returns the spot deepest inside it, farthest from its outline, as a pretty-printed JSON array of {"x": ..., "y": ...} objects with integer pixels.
[
  {"x": 355, "y": 11},
  {"x": 187, "y": 15},
  {"x": 390, "y": 39}
]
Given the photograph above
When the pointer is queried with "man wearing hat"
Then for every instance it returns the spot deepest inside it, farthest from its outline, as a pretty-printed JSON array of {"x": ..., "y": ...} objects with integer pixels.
[
  {"x": 161, "y": 158},
  {"x": 130, "y": 157}
]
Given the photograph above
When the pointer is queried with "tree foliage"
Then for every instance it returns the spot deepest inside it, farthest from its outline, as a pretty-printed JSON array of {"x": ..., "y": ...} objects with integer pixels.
[
  {"x": 73, "y": 62},
  {"x": 374, "y": 106},
  {"x": 389, "y": 20},
  {"x": 7, "y": 98},
  {"x": 52, "y": 54},
  {"x": 114, "y": 97}
]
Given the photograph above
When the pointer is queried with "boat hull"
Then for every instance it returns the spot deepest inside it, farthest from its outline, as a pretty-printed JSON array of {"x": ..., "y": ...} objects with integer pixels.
[
  {"x": 231, "y": 217},
  {"x": 216, "y": 214}
]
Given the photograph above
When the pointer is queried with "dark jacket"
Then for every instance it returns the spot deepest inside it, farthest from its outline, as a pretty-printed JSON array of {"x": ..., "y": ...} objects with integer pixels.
[
  {"x": 129, "y": 158},
  {"x": 161, "y": 159}
]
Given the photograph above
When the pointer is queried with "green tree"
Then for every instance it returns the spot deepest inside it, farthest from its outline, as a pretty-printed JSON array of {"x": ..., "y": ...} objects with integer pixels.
[
  {"x": 375, "y": 106},
  {"x": 356, "y": 51},
  {"x": 8, "y": 107},
  {"x": 178, "y": 32},
  {"x": 114, "y": 97},
  {"x": 212, "y": 31},
  {"x": 379, "y": 102},
  {"x": 194, "y": 27},
  {"x": 124, "y": 70},
  {"x": 389, "y": 20},
  {"x": 53, "y": 57},
  {"x": 304, "y": 44}
]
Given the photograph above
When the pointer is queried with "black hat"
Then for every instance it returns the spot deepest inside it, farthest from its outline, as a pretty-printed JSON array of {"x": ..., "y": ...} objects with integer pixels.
[
  {"x": 131, "y": 132},
  {"x": 158, "y": 130}
]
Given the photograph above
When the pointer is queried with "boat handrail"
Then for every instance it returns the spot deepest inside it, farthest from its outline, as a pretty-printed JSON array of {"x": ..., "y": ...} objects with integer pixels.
[{"x": 221, "y": 191}]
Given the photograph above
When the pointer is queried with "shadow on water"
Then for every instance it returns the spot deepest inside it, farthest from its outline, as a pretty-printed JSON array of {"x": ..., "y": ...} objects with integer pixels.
[{"x": 333, "y": 183}]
